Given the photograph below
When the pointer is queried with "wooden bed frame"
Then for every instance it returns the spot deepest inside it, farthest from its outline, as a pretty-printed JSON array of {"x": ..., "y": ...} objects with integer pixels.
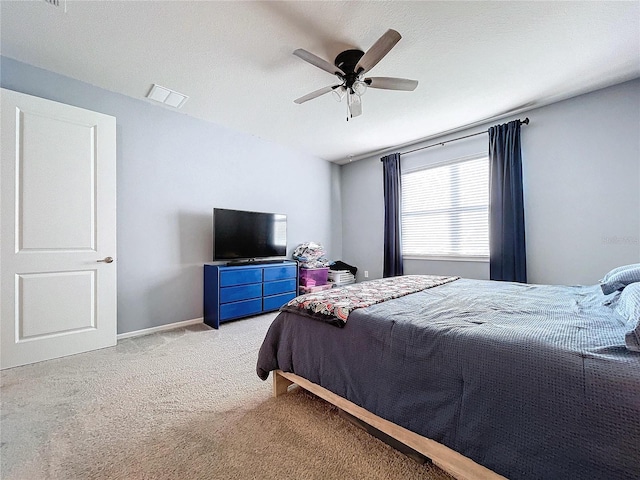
[{"x": 447, "y": 459}]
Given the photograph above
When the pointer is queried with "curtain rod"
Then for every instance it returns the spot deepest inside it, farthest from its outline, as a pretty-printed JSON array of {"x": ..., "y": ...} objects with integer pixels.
[{"x": 525, "y": 121}]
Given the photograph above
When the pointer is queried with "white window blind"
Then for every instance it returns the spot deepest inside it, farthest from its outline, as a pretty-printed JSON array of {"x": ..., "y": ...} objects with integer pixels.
[{"x": 445, "y": 210}]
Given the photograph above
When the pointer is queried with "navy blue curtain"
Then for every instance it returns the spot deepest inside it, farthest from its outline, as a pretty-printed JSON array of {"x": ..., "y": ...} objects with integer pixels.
[
  {"x": 507, "y": 252},
  {"x": 392, "y": 225}
]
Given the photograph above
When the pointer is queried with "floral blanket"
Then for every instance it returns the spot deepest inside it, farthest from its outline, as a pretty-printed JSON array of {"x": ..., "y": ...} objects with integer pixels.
[{"x": 335, "y": 305}]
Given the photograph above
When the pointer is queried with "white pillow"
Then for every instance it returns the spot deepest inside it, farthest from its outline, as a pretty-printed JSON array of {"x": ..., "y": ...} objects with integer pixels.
[{"x": 620, "y": 277}]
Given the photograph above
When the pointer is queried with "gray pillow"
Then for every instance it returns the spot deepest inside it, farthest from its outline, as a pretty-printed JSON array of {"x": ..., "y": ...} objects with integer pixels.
[
  {"x": 620, "y": 277},
  {"x": 628, "y": 307}
]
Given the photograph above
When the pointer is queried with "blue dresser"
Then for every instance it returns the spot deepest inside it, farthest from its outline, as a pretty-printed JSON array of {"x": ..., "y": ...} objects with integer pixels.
[{"x": 240, "y": 291}]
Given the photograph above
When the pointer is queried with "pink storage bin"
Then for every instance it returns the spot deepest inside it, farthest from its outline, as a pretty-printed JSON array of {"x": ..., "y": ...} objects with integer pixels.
[
  {"x": 317, "y": 288},
  {"x": 311, "y": 277}
]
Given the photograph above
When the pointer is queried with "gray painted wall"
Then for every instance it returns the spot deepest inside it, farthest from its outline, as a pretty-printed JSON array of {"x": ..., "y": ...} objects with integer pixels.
[
  {"x": 581, "y": 168},
  {"x": 172, "y": 170},
  {"x": 582, "y": 183}
]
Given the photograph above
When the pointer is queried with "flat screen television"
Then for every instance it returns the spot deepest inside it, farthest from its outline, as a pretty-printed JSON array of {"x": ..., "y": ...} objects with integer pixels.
[{"x": 248, "y": 236}]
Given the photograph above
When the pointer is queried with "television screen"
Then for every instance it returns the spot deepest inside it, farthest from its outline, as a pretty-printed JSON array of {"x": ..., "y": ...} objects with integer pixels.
[{"x": 240, "y": 235}]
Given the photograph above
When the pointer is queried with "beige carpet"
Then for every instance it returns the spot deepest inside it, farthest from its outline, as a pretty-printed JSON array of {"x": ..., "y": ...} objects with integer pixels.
[{"x": 184, "y": 404}]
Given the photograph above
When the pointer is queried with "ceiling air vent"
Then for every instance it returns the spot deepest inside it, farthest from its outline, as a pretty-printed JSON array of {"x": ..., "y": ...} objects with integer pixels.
[{"x": 167, "y": 96}]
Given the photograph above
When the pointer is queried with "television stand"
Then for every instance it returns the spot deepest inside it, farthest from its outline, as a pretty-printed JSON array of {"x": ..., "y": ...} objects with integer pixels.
[{"x": 237, "y": 291}]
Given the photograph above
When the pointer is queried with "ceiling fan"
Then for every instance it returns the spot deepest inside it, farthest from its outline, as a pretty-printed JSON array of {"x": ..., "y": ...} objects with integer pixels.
[{"x": 350, "y": 67}]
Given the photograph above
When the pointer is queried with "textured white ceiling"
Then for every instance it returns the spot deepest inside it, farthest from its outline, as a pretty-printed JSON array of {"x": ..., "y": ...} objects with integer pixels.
[{"x": 474, "y": 60}]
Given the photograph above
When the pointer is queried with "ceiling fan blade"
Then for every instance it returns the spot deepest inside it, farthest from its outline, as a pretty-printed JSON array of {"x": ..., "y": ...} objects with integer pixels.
[
  {"x": 377, "y": 52},
  {"x": 317, "y": 93},
  {"x": 317, "y": 61},
  {"x": 390, "y": 83}
]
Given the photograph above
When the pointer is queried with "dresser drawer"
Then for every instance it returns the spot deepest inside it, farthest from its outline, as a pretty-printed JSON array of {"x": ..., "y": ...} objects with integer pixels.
[
  {"x": 281, "y": 286},
  {"x": 279, "y": 273},
  {"x": 276, "y": 301},
  {"x": 241, "y": 292},
  {"x": 240, "y": 309},
  {"x": 240, "y": 277}
]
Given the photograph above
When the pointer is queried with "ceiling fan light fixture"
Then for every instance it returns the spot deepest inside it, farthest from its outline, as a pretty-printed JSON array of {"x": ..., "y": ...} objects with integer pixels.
[
  {"x": 354, "y": 105},
  {"x": 359, "y": 87},
  {"x": 339, "y": 93}
]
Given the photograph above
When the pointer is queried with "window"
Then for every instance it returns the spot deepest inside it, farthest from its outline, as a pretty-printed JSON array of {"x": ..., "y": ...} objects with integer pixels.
[{"x": 445, "y": 210}]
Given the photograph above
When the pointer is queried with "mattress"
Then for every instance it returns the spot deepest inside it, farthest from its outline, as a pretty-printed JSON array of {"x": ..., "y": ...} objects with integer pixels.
[{"x": 531, "y": 381}]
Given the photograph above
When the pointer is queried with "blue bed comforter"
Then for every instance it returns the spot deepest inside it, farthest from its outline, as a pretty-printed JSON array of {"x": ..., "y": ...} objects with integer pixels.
[{"x": 531, "y": 381}]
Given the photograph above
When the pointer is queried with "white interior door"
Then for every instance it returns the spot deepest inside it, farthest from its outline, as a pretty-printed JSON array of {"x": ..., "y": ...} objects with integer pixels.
[{"x": 58, "y": 205}]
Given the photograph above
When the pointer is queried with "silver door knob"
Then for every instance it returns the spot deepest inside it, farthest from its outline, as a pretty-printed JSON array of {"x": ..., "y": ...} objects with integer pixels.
[{"x": 106, "y": 260}]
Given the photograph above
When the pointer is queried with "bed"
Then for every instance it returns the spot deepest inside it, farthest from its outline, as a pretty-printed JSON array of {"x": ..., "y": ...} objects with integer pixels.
[{"x": 488, "y": 379}]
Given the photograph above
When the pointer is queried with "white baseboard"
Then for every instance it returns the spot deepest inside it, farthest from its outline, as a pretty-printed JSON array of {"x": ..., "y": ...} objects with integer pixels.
[{"x": 161, "y": 328}]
